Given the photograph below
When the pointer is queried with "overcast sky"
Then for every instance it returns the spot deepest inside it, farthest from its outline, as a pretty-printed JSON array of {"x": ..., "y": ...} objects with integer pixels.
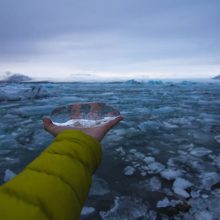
[{"x": 110, "y": 38}]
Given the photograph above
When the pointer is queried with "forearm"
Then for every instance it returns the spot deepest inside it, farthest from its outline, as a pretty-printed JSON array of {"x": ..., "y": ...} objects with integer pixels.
[{"x": 56, "y": 184}]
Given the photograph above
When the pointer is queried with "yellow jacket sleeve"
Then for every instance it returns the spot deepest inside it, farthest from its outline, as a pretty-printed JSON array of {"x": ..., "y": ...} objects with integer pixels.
[{"x": 55, "y": 185}]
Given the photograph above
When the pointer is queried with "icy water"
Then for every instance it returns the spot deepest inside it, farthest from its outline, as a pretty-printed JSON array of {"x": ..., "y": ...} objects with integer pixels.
[{"x": 161, "y": 162}]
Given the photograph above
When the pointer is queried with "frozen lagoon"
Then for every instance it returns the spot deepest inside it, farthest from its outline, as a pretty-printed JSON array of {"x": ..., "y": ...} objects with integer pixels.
[{"x": 162, "y": 161}]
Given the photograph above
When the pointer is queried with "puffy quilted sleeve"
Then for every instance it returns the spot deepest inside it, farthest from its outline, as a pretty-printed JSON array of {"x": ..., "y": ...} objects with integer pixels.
[{"x": 55, "y": 185}]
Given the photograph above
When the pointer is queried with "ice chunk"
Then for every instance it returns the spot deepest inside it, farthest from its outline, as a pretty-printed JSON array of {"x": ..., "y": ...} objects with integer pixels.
[
  {"x": 182, "y": 121},
  {"x": 129, "y": 170},
  {"x": 169, "y": 125},
  {"x": 166, "y": 202},
  {"x": 133, "y": 151},
  {"x": 36, "y": 92},
  {"x": 143, "y": 173},
  {"x": 181, "y": 192},
  {"x": 139, "y": 155},
  {"x": 200, "y": 151},
  {"x": 133, "y": 82},
  {"x": 99, "y": 187},
  {"x": 186, "y": 83},
  {"x": 17, "y": 94},
  {"x": 131, "y": 132},
  {"x": 12, "y": 160},
  {"x": 119, "y": 132},
  {"x": 167, "y": 191},
  {"x": 170, "y": 174},
  {"x": 181, "y": 183},
  {"x": 149, "y": 160},
  {"x": 153, "y": 184},
  {"x": 203, "y": 215},
  {"x": 213, "y": 205},
  {"x": 217, "y": 138},
  {"x": 179, "y": 187},
  {"x": 149, "y": 125},
  {"x": 155, "y": 167},
  {"x": 155, "y": 82},
  {"x": 153, "y": 150},
  {"x": 205, "y": 196},
  {"x": 8, "y": 175},
  {"x": 208, "y": 179},
  {"x": 163, "y": 203},
  {"x": 216, "y": 160},
  {"x": 125, "y": 208},
  {"x": 9, "y": 95},
  {"x": 195, "y": 194},
  {"x": 164, "y": 110},
  {"x": 86, "y": 211},
  {"x": 121, "y": 151}
]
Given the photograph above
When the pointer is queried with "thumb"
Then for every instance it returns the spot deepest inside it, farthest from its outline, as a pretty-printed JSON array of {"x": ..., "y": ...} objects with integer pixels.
[
  {"x": 48, "y": 124},
  {"x": 112, "y": 123}
]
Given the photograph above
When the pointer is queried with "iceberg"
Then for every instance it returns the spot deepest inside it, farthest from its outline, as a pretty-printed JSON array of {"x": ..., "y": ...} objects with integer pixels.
[
  {"x": 217, "y": 77},
  {"x": 15, "y": 78}
]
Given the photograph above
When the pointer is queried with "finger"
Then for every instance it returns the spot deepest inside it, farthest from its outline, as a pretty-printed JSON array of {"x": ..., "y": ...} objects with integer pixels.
[
  {"x": 47, "y": 121},
  {"x": 112, "y": 123},
  {"x": 48, "y": 124}
]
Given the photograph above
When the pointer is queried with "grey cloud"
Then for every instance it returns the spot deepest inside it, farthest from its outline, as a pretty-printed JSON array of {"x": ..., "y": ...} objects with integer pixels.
[{"x": 115, "y": 32}]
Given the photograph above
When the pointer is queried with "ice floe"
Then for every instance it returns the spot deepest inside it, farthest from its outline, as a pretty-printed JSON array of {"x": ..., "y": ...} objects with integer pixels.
[
  {"x": 99, "y": 187},
  {"x": 182, "y": 183},
  {"x": 166, "y": 202},
  {"x": 87, "y": 211},
  {"x": 155, "y": 167},
  {"x": 179, "y": 187},
  {"x": 209, "y": 179},
  {"x": 125, "y": 208},
  {"x": 153, "y": 184},
  {"x": 8, "y": 175},
  {"x": 170, "y": 174},
  {"x": 19, "y": 94},
  {"x": 129, "y": 170},
  {"x": 200, "y": 151},
  {"x": 203, "y": 215},
  {"x": 217, "y": 138},
  {"x": 149, "y": 126}
]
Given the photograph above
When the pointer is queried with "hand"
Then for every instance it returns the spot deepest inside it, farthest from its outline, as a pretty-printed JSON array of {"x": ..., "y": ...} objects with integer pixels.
[{"x": 96, "y": 132}]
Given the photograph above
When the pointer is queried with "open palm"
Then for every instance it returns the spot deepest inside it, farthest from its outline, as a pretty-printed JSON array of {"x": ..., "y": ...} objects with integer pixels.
[{"x": 96, "y": 132}]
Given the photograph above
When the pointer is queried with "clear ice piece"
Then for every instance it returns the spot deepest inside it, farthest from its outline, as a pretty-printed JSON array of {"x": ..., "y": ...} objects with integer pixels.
[{"x": 83, "y": 115}]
